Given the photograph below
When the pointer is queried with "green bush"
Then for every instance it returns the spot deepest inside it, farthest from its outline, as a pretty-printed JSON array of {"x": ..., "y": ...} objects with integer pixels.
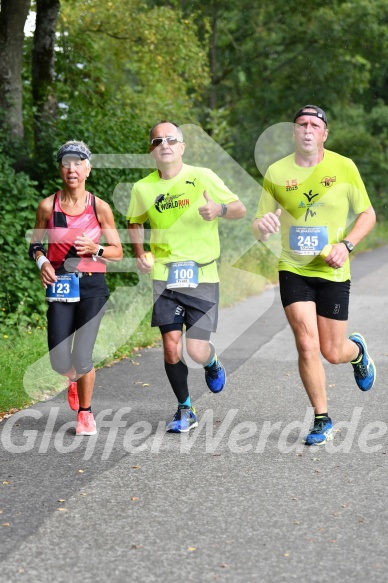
[{"x": 20, "y": 288}]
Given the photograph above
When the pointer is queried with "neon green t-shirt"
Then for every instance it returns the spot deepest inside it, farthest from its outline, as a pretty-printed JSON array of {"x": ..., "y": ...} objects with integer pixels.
[
  {"x": 178, "y": 232},
  {"x": 318, "y": 205}
]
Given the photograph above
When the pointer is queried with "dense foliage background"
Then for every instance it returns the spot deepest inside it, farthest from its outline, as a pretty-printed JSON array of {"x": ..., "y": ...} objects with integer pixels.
[{"x": 115, "y": 68}]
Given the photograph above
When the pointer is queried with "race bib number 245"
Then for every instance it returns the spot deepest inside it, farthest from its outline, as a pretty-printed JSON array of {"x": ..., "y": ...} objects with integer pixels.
[{"x": 308, "y": 240}]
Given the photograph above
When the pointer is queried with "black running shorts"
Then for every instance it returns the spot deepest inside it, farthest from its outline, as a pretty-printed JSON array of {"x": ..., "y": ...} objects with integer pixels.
[
  {"x": 331, "y": 297},
  {"x": 196, "y": 308}
]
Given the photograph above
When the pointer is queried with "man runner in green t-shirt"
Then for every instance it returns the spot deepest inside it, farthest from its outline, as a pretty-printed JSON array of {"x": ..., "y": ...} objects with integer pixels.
[
  {"x": 182, "y": 204},
  {"x": 312, "y": 196}
]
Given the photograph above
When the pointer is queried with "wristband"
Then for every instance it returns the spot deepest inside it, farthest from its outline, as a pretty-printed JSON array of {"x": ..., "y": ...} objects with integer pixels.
[{"x": 42, "y": 259}]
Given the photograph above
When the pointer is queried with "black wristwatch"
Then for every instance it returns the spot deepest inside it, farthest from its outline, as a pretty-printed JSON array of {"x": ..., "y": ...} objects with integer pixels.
[
  {"x": 224, "y": 208},
  {"x": 349, "y": 246},
  {"x": 99, "y": 253}
]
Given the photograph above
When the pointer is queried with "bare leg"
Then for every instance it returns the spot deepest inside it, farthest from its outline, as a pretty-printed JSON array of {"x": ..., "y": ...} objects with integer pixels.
[
  {"x": 334, "y": 346},
  {"x": 303, "y": 321},
  {"x": 85, "y": 386},
  {"x": 198, "y": 350}
]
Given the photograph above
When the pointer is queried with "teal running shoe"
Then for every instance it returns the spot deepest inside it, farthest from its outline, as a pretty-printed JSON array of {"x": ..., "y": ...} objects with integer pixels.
[
  {"x": 321, "y": 431},
  {"x": 183, "y": 420},
  {"x": 364, "y": 367}
]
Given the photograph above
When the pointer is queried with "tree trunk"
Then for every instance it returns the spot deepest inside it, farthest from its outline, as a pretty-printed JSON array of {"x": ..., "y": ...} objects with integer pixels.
[
  {"x": 213, "y": 57},
  {"x": 43, "y": 53},
  {"x": 13, "y": 15}
]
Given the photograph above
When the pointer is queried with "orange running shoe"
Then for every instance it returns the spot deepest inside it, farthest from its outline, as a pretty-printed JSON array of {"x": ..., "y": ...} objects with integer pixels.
[
  {"x": 86, "y": 424},
  {"x": 72, "y": 396}
]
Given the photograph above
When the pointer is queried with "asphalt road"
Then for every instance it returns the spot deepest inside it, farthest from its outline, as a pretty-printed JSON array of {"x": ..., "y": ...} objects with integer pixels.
[{"x": 239, "y": 499}]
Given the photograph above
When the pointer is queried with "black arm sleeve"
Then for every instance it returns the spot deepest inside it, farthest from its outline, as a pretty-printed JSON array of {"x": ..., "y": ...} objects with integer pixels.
[{"x": 34, "y": 248}]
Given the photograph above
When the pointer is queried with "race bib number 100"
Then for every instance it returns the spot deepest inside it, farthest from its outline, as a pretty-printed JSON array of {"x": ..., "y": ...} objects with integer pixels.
[
  {"x": 65, "y": 289},
  {"x": 308, "y": 240},
  {"x": 182, "y": 274}
]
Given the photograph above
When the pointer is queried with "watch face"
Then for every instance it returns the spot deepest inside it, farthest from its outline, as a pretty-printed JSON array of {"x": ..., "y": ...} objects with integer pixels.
[
  {"x": 100, "y": 251},
  {"x": 349, "y": 246}
]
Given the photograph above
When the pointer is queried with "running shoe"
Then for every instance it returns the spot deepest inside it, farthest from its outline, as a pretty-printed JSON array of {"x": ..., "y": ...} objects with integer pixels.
[
  {"x": 215, "y": 376},
  {"x": 183, "y": 420},
  {"x": 86, "y": 424},
  {"x": 321, "y": 432},
  {"x": 72, "y": 396},
  {"x": 364, "y": 367}
]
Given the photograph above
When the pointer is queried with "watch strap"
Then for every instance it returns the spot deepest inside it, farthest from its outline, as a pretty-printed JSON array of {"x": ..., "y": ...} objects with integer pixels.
[
  {"x": 99, "y": 253},
  {"x": 224, "y": 209},
  {"x": 349, "y": 246}
]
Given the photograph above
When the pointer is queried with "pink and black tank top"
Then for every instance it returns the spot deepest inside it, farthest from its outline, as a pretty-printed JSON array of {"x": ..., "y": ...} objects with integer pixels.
[{"x": 62, "y": 231}]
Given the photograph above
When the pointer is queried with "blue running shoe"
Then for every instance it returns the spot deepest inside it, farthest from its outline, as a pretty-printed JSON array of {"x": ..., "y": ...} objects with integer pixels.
[
  {"x": 364, "y": 368},
  {"x": 321, "y": 431},
  {"x": 215, "y": 376},
  {"x": 183, "y": 420}
]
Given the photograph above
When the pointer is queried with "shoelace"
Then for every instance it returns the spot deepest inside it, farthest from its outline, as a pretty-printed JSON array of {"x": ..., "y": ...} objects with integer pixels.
[
  {"x": 361, "y": 370},
  {"x": 213, "y": 372},
  {"x": 318, "y": 426},
  {"x": 178, "y": 414}
]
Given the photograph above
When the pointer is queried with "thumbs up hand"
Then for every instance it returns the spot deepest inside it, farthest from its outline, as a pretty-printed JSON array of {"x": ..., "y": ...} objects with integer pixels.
[{"x": 210, "y": 210}]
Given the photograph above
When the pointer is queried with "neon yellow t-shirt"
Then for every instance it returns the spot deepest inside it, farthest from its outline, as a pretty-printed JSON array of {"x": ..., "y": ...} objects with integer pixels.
[
  {"x": 318, "y": 205},
  {"x": 178, "y": 232}
]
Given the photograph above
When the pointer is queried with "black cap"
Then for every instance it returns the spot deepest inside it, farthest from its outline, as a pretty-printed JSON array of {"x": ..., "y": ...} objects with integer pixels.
[{"x": 317, "y": 113}]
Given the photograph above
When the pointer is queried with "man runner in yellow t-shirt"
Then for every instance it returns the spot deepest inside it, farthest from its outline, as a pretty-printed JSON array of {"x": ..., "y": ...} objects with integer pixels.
[
  {"x": 183, "y": 204},
  {"x": 312, "y": 196}
]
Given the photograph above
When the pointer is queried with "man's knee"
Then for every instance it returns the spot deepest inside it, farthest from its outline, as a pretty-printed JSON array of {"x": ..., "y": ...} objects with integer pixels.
[
  {"x": 332, "y": 354},
  {"x": 307, "y": 346},
  {"x": 198, "y": 349}
]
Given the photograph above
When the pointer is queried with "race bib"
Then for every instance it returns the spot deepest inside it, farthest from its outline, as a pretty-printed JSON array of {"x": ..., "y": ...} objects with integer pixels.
[
  {"x": 308, "y": 240},
  {"x": 182, "y": 274},
  {"x": 65, "y": 289}
]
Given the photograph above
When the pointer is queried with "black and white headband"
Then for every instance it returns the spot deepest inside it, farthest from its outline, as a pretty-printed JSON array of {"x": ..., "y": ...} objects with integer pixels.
[{"x": 75, "y": 148}]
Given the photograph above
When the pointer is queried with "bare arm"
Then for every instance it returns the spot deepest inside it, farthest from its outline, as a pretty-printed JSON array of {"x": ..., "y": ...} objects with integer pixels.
[
  {"x": 211, "y": 210},
  {"x": 47, "y": 272},
  {"x": 362, "y": 226},
  {"x": 235, "y": 210},
  {"x": 136, "y": 234},
  {"x": 113, "y": 251}
]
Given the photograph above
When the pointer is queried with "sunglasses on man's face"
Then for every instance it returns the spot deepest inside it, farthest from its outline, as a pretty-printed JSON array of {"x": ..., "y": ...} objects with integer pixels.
[{"x": 169, "y": 140}]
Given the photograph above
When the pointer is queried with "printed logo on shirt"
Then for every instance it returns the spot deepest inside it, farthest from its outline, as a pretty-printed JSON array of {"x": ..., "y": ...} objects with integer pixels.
[
  {"x": 191, "y": 182},
  {"x": 291, "y": 185},
  {"x": 168, "y": 201},
  {"x": 327, "y": 181},
  {"x": 310, "y": 196},
  {"x": 310, "y": 206}
]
